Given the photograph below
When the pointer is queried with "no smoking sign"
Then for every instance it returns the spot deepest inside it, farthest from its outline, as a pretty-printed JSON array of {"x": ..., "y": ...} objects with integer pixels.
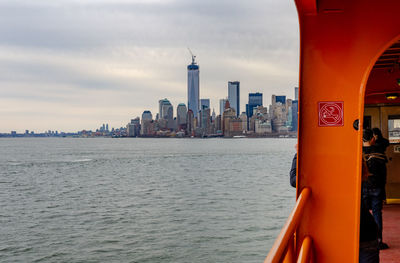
[{"x": 330, "y": 113}]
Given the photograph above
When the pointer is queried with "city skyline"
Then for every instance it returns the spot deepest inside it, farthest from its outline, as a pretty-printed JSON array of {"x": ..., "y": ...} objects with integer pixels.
[{"x": 78, "y": 64}]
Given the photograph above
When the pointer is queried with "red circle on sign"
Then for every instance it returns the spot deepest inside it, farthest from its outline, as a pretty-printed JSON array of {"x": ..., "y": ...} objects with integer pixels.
[{"x": 331, "y": 114}]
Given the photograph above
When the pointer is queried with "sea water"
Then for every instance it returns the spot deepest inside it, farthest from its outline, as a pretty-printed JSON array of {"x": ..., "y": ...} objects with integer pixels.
[{"x": 142, "y": 200}]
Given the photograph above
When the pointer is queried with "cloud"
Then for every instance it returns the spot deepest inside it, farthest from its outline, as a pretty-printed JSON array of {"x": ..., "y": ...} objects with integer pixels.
[{"x": 124, "y": 56}]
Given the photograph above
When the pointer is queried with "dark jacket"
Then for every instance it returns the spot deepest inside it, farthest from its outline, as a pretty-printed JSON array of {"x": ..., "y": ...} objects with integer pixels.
[
  {"x": 293, "y": 171},
  {"x": 381, "y": 145},
  {"x": 376, "y": 163}
]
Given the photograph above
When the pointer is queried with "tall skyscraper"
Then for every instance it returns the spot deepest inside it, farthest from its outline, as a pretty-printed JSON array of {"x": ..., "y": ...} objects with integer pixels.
[
  {"x": 181, "y": 116},
  {"x": 234, "y": 95},
  {"x": 161, "y": 108},
  {"x": 296, "y": 93},
  {"x": 276, "y": 99},
  {"x": 255, "y": 100},
  {"x": 168, "y": 112},
  {"x": 204, "y": 104},
  {"x": 147, "y": 125},
  {"x": 193, "y": 87},
  {"x": 146, "y": 115},
  {"x": 190, "y": 122},
  {"x": 222, "y": 103}
]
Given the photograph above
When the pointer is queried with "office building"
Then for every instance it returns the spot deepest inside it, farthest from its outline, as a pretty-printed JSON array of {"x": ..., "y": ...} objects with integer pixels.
[
  {"x": 296, "y": 93},
  {"x": 295, "y": 110},
  {"x": 190, "y": 122},
  {"x": 146, "y": 115},
  {"x": 193, "y": 87},
  {"x": 147, "y": 124},
  {"x": 181, "y": 116},
  {"x": 222, "y": 103},
  {"x": 234, "y": 96},
  {"x": 205, "y": 121},
  {"x": 204, "y": 104},
  {"x": 277, "y": 99},
  {"x": 255, "y": 100}
]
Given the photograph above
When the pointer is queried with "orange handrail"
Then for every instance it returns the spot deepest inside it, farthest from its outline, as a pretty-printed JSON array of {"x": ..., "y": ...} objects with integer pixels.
[
  {"x": 305, "y": 254},
  {"x": 280, "y": 246}
]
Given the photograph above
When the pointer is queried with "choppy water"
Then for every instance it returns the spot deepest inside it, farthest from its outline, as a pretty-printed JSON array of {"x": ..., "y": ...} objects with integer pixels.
[{"x": 142, "y": 200}]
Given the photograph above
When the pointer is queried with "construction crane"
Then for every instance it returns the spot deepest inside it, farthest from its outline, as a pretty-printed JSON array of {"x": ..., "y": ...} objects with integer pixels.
[{"x": 193, "y": 56}]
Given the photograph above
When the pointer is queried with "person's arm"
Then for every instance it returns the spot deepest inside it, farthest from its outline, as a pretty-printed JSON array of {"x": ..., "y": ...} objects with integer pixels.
[{"x": 293, "y": 171}]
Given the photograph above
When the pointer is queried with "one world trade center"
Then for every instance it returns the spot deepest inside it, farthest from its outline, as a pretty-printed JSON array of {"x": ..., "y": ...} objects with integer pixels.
[{"x": 193, "y": 87}]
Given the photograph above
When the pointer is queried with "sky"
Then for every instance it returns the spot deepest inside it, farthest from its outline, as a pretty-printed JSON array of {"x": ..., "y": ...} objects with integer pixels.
[{"x": 76, "y": 64}]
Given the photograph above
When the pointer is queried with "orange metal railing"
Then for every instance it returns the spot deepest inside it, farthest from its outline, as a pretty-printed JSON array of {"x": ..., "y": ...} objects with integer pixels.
[{"x": 283, "y": 248}]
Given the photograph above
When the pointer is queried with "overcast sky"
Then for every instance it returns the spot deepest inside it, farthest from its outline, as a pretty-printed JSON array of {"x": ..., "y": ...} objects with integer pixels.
[{"x": 76, "y": 64}]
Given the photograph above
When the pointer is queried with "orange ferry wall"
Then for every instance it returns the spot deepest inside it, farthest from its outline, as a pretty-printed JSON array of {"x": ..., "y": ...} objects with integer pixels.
[{"x": 339, "y": 43}]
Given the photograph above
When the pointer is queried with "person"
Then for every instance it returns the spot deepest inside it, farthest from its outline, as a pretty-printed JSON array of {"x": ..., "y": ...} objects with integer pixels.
[
  {"x": 373, "y": 187},
  {"x": 381, "y": 145},
  {"x": 293, "y": 169},
  {"x": 380, "y": 142},
  {"x": 369, "y": 248}
]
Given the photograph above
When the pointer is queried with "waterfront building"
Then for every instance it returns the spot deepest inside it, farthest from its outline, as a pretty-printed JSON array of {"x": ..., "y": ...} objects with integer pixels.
[
  {"x": 146, "y": 115},
  {"x": 295, "y": 109},
  {"x": 133, "y": 128},
  {"x": 222, "y": 103},
  {"x": 279, "y": 114},
  {"x": 161, "y": 125},
  {"x": 181, "y": 116},
  {"x": 276, "y": 99},
  {"x": 255, "y": 100},
  {"x": 213, "y": 116},
  {"x": 262, "y": 127},
  {"x": 228, "y": 116},
  {"x": 204, "y": 104},
  {"x": 205, "y": 121},
  {"x": 296, "y": 93},
  {"x": 130, "y": 130},
  {"x": 218, "y": 124},
  {"x": 243, "y": 118},
  {"x": 190, "y": 122},
  {"x": 147, "y": 124},
  {"x": 193, "y": 87},
  {"x": 160, "y": 104},
  {"x": 166, "y": 113},
  {"x": 165, "y": 107},
  {"x": 234, "y": 95},
  {"x": 260, "y": 121},
  {"x": 232, "y": 125}
]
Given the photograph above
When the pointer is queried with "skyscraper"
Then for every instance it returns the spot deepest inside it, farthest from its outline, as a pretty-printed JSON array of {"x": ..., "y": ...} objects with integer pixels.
[
  {"x": 204, "y": 104},
  {"x": 296, "y": 93},
  {"x": 146, "y": 115},
  {"x": 281, "y": 99},
  {"x": 161, "y": 108},
  {"x": 193, "y": 87},
  {"x": 255, "y": 100},
  {"x": 234, "y": 96},
  {"x": 181, "y": 116},
  {"x": 147, "y": 127},
  {"x": 222, "y": 103}
]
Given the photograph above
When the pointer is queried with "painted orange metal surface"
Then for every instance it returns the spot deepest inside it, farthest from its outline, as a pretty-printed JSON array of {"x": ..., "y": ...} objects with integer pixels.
[
  {"x": 305, "y": 253},
  {"x": 289, "y": 254},
  {"x": 339, "y": 45},
  {"x": 277, "y": 251}
]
